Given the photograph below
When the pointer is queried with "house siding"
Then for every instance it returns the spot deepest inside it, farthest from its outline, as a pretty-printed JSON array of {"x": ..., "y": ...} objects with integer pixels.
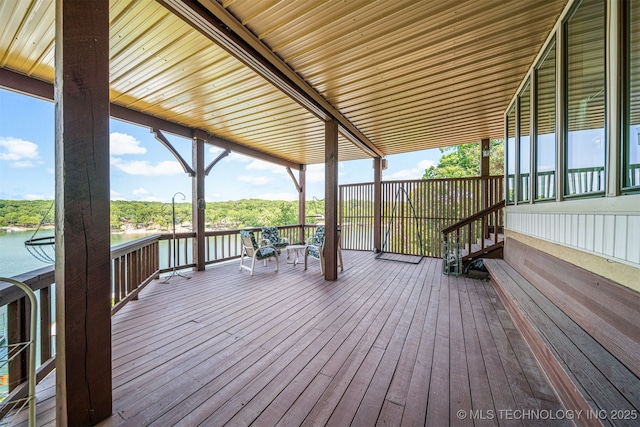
[{"x": 606, "y": 228}]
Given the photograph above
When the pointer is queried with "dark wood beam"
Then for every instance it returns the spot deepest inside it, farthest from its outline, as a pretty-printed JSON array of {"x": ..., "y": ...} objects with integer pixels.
[
  {"x": 377, "y": 204},
  {"x": 331, "y": 201},
  {"x": 29, "y": 86},
  {"x": 215, "y": 161},
  {"x": 198, "y": 204},
  {"x": 26, "y": 85},
  {"x": 212, "y": 20},
  {"x": 157, "y": 133},
  {"x": 293, "y": 178},
  {"x": 302, "y": 202},
  {"x": 247, "y": 151},
  {"x": 138, "y": 118},
  {"x": 83, "y": 253},
  {"x": 485, "y": 151}
]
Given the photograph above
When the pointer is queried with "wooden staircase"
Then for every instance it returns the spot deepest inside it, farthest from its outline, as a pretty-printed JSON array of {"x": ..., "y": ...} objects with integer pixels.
[{"x": 478, "y": 236}]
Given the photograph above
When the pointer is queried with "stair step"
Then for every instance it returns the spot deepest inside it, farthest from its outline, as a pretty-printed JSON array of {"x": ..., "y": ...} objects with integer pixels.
[{"x": 475, "y": 247}]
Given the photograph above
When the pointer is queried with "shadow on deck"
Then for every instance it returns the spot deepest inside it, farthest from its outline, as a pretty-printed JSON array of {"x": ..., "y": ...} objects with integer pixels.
[{"x": 387, "y": 343}]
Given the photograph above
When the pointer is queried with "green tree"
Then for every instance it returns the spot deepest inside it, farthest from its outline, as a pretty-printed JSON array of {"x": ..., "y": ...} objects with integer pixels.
[{"x": 464, "y": 161}]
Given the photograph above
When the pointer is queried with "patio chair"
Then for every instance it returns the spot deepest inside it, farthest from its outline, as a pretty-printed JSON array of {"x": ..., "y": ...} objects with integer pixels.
[
  {"x": 272, "y": 236},
  {"x": 250, "y": 249},
  {"x": 315, "y": 249}
]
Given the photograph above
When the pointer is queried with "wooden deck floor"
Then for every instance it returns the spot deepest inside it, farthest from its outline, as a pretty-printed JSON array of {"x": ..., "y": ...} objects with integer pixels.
[{"x": 387, "y": 344}]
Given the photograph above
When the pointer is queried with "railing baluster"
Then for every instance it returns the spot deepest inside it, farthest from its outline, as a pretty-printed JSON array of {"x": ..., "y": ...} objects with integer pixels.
[
  {"x": 45, "y": 323},
  {"x": 17, "y": 327}
]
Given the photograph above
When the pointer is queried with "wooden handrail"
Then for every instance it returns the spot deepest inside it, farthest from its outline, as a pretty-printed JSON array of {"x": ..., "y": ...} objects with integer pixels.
[
  {"x": 134, "y": 245},
  {"x": 472, "y": 218},
  {"x": 468, "y": 178}
]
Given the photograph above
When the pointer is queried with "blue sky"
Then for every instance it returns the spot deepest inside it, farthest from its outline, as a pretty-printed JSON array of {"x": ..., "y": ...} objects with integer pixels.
[{"x": 142, "y": 169}]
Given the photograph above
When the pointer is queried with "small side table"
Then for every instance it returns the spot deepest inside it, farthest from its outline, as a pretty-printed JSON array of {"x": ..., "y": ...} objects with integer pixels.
[{"x": 298, "y": 252}]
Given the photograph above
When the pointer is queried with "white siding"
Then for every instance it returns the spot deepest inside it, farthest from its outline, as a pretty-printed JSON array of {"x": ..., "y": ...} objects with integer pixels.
[{"x": 609, "y": 227}]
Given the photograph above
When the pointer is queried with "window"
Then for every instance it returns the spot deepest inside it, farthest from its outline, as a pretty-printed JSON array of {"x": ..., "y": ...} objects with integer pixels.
[
  {"x": 631, "y": 154},
  {"x": 524, "y": 143},
  {"x": 546, "y": 126},
  {"x": 511, "y": 154},
  {"x": 585, "y": 99}
]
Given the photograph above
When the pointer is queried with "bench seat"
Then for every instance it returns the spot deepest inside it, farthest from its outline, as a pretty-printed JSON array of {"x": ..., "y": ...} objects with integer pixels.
[{"x": 586, "y": 376}]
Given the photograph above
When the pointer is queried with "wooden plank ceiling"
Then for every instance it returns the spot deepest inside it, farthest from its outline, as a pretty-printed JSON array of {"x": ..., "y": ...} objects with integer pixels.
[{"x": 408, "y": 74}]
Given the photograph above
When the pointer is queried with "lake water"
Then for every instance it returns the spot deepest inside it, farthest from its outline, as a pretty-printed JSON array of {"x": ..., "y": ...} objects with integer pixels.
[{"x": 15, "y": 258}]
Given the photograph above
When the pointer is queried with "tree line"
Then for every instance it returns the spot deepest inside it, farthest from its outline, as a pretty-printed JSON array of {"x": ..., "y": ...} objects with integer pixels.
[
  {"x": 456, "y": 161},
  {"x": 157, "y": 215}
]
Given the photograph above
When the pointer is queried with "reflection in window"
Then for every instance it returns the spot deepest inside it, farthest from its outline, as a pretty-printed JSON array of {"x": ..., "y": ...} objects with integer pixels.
[
  {"x": 511, "y": 153},
  {"x": 524, "y": 160},
  {"x": 585, "y": 150},
  {"x": 631, "y": 165},
  {"x": 546, "y": 126}
]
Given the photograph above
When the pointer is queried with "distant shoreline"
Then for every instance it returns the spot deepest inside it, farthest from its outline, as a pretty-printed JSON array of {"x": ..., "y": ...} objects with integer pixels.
[
  {"x": 14, "y": 229},
  {"x": 11, "y": 229},
  {"x": 143, "y": 230}
]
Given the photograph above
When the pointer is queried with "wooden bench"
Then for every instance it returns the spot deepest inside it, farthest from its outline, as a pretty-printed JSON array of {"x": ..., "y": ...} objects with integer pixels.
[{"x": 586, "y": 376}]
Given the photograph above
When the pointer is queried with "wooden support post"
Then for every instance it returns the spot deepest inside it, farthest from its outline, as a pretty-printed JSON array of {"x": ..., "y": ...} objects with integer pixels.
[
  {"x": 377, "y": 204},
  {"x": 198, "y": 204},
  {"x": 485, "y": 151},
  {"x": 485, "y": 148},
  {"x": 302, "y": 202},
  {"x": 331, "y": 200},
  {"x": 83, "y": 254}
]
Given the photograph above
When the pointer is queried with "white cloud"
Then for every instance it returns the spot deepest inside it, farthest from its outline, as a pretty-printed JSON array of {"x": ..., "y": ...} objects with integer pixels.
[
  {"x": 36, "y": 197},
  {"x": 233, "y": 156},
  {"x": 315, "y": 173},
  {"x": 151, "y": 199},
  {"x": 19, "y": 151},
  {"x": 140, "y": 192},
  {"x": 116, "y": 196},
  {"x": 278, "y": 196},
  {"x": 426, "y": 163},
  {"x": 413, "y": 173},
  {"x": 23, "y": 164},
  {"x": 143, "y": 167},
  {"x": 256, "y": 180},
  {"x": 215, "y": 150},
  {"x": 121, "y": 143},
  {"x": 261, "y": 165}
]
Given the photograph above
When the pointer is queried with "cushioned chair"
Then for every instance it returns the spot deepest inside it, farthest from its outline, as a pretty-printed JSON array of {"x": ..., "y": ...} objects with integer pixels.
[
  {"x": 251, "y": 249},
  {"x": 272, "y": 236},
  {"x": 315, "y": 249}
]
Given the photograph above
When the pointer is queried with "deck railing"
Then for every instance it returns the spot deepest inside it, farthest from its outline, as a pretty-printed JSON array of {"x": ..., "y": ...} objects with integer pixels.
[
  {"x": 18, "y": 311},
  {"x": 133, "y": 265},
  {"x": 474, "y": 235},
  {"x": 220, "y": 246},
  {"x": 413, "y": 212}
]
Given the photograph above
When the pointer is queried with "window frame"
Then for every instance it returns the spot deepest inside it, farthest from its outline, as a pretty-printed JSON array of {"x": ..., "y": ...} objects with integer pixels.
[
  {"x": 565, "y": 106},
  {"x": 626, "y": 114},
  {"x": 551, "y": 47}
]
